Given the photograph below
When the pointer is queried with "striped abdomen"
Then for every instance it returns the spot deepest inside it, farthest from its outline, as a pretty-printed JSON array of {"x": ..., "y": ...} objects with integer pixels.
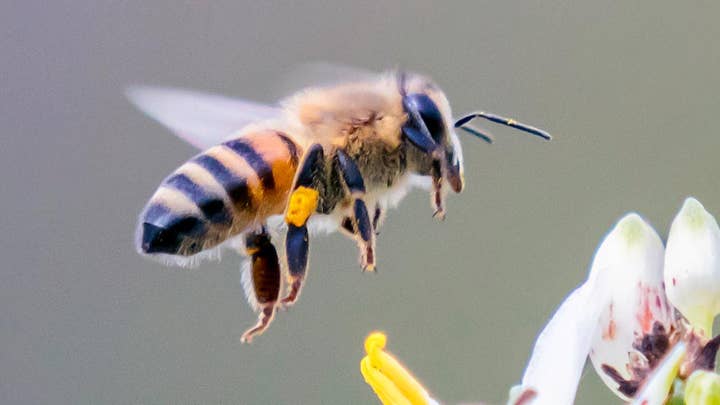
[{"x": 220, "y": 193}]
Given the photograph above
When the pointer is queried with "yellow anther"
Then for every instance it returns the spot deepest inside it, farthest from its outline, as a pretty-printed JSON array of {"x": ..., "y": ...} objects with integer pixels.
[
  {"x": 303, "y": 203},
  {"x": 383, "y": 387},
  {"x": 375, "y": 341},
  {"x": 392, "y": 383}
]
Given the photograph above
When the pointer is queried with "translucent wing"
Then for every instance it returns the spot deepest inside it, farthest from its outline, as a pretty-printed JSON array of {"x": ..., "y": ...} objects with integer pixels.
[{"x": 201, "y": 119}]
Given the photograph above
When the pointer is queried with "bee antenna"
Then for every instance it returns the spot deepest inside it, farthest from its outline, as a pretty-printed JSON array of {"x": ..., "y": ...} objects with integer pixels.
[
  {"x": 482, "y": 134},
  {"x": 461, "y": 123}
]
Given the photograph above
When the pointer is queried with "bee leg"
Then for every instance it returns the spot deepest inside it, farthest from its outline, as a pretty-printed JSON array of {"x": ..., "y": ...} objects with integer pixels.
[
  {"x": 361, "y": 224},
  {"x": 302, "y": 204},
  {"x": 438, "y": 196},
  {"x": 366, "y": 234},
  {"x": 266, "y": 316},
  {"x": 417, "y": 133},
  {"x": 378, "y": 218},
  {"x": 264, "y": 279},
  {"x": 297, "y": 246},
  {"x": 347, "y": 227}
]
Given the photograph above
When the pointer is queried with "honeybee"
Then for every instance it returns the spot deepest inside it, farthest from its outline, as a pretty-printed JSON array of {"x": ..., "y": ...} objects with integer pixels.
[{"x": 328, "y": 157}]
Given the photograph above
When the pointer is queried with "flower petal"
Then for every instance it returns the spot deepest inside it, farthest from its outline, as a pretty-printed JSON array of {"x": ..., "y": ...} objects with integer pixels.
[
  {"x": 519, "y": 395},
  {"x": 624, "y": 286},
  {"x": 562, "y": 347},
  {"x": 631, "y": 261},
  {"x": 692, "y": 265}
]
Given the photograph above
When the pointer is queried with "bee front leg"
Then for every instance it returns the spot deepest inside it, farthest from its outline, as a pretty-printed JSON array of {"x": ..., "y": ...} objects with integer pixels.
[
  {"x": 301, "y": 205},
  {"x": 360, "y": 220},
  {"x": 417, "y": 133},
  {"x": 438, "y": 195},
  {"x": 262, "y": 281}
]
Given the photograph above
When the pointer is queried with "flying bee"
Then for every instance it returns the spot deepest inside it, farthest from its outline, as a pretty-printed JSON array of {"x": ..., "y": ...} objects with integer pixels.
[{"x": 334, "y": 157}]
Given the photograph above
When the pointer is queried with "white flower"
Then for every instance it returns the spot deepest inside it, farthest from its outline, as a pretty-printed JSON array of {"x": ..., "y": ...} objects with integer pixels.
[
  {"x": 603, "y": 314},
  {"x": 692, "y": 265},
  {"x": 631, "y": 261},
  {"x": 622, "y": 319}
]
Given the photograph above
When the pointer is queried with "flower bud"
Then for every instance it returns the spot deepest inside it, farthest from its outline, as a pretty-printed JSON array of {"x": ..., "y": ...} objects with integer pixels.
[
  {"x": 629, "y": 264},
  {"x": 692, "y": 265},
  {"x": 702, "y": 388}
]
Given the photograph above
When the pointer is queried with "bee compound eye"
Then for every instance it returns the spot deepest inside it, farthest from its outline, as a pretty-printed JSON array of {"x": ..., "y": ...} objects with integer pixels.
[{"x": 428, "y": 111}]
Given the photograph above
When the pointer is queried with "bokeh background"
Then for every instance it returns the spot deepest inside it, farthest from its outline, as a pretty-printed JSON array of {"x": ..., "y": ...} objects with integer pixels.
[{"x": 629, "y": 89}]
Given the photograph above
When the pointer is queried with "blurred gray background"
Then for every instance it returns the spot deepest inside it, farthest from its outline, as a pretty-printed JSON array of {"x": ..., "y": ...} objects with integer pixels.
[{"x": 629, "y": 89}]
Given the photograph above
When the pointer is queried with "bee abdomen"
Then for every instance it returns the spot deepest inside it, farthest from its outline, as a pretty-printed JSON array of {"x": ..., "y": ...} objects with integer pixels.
[
  {"x": 256, "y": 171},
  {"x": 212, "y": 205},
  {"x": 220, "y": 193},
  {"x": 235, "y": 186},
  {"x": 171, "y": 224},
  {"x": 262, "y": 169}
]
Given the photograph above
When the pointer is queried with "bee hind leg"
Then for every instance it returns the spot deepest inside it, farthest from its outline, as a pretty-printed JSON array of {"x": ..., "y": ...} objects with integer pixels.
[
  {"x": 301, "y": 205},
  {"x": 262, "y": 281},
  {"x": 360, "y": 221},
  {"x": 266, "y": 316}
]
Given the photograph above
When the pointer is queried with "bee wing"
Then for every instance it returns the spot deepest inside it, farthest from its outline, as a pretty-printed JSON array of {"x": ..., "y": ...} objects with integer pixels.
[{"x": 201, "y": 119}]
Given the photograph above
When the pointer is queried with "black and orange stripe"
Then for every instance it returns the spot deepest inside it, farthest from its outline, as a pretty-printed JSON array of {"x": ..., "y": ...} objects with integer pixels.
[
  {"x": 212, "y": 206},
  {"x": 220, "y": 192},
  {"x": 262, "y": 169},
  {"x": 235, "y": 186}
]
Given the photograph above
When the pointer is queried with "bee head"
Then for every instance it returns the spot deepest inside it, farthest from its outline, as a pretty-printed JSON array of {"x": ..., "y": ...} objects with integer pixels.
[
  {"x": 431, "y": 128},
  {"x": 442, "y": 133},
  {"x": 429, "y": 114}
]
